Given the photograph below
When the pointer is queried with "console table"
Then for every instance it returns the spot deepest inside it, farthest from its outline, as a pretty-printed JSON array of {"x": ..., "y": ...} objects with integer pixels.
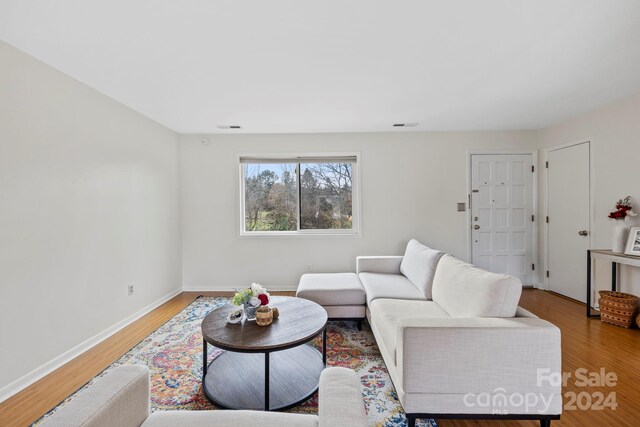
[{"x": 615, "y": 259}]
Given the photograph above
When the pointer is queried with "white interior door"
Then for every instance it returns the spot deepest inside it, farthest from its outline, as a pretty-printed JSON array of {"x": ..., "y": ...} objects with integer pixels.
[
  {"x": 569, "y": 219},
  {"x": 502, "y": 214}
]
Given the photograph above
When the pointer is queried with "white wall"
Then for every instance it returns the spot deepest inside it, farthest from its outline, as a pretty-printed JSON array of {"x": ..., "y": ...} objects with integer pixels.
[
  {"x": 88, "y": 205},
  {"x": 614, "y": 132},
  {"x": 410, "y": 185}
]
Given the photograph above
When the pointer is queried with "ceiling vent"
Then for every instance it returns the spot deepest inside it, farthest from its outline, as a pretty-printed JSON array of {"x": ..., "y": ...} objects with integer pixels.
[
  {"x": 229, "y": 127},
  {"x": 405, "y": 125}
]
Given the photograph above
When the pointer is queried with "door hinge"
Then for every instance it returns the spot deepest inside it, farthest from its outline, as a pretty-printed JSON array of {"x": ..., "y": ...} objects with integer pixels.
[
  {"x": 533, "y": 267},
  {"x": 547, "y": 273},
  {"x": 533, "y": 218},
  {"x": 469, "y": 202},
  {"x": 546, "y": 165},
  {"x": 547, "y": 220},
  {"x": 533, "y": 169}
]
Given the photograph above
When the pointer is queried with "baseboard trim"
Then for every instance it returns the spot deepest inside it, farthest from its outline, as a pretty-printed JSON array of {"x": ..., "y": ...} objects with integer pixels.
[
  {"x": 292, "y": 288},
  {"x": 44, "y": 370}
]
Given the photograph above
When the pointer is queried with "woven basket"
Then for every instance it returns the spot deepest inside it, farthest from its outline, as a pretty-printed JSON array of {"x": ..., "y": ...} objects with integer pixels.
[
  {"x": 618, "y": 308},
  {"x": 264, "y": 316}
]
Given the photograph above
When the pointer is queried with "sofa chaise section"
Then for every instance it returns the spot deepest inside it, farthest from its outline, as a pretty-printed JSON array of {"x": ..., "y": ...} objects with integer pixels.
[{"x": 340, "y": 294}]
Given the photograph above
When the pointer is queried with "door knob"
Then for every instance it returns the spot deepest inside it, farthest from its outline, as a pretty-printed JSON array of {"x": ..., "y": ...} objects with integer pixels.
[
  {"x": 476, "y": 227},
  {"x": 583, "y": 233}
]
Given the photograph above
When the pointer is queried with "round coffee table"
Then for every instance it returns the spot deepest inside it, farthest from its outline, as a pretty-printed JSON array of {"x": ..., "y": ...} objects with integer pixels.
[{"x": 264, "y": 367}]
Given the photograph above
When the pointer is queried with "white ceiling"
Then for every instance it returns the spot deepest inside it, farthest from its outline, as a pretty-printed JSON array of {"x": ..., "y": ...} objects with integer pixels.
[{"x": 340, "y": 65}]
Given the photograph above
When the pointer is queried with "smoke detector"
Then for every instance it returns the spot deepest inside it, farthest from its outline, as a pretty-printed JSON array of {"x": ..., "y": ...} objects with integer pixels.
[
  {"x": 405, "y": 125},
  {"x": 229, "y": 127}
]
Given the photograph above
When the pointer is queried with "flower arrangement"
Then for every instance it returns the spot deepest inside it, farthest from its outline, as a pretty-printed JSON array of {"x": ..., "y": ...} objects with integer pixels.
[
  {"x": 254, "y": 296},
  {"x": 623, "y": 210}
]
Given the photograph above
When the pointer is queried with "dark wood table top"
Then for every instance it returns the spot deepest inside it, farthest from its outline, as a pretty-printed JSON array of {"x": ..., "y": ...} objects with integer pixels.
[{"x": 300, "y": 320}]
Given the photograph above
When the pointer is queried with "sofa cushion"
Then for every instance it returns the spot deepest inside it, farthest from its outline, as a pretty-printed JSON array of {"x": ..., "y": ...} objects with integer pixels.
[
  {"x": 464, "y": 290},
  {"x": 396, "y": 286},
  {"x": 331, "y": 289},
  {"x": 419, "y": 265},
  {"x": 386, "y": 313}
]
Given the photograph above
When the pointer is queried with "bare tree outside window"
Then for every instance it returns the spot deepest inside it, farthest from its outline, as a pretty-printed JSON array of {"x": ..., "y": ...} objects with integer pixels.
[
  {"x": 270, "y": 197},
  {"x": 325, "y": 196},
  {"x": 274, "y": 196}
]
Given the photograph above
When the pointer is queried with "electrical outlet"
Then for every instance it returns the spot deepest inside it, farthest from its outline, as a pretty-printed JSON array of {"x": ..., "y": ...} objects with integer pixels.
[
  {"x": 310, "y": 267},
  {"x": 130, "y": 288}
]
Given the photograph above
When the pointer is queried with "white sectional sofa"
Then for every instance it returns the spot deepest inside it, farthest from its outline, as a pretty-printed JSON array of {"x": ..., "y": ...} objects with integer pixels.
[
  {"x": 121, "y": 398},
  {"x": 455, "y": 342}
]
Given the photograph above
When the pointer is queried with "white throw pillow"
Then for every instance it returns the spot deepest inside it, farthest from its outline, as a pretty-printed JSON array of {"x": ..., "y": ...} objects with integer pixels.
[
  {"x": 419, "y": 265},
  {"x": 463, "y": 290}
]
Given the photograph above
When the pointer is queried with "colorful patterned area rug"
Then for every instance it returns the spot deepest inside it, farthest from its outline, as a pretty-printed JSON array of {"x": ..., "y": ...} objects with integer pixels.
[{"x": 173, "y": 354}]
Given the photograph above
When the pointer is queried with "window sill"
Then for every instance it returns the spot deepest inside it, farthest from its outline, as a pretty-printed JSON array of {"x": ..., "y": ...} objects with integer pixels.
[{"x": 261, "y": 234}]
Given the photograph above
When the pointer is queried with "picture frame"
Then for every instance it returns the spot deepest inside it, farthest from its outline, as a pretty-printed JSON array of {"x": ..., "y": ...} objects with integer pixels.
[{"x": 633, "y": 242}]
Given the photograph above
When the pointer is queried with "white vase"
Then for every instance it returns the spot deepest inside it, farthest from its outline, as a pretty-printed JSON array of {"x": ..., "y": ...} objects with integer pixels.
[{"x": 620, "y": 235}]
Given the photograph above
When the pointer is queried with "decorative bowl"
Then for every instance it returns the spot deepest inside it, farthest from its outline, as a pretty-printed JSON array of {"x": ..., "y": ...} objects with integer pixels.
[{"x": 234, "y": 317}]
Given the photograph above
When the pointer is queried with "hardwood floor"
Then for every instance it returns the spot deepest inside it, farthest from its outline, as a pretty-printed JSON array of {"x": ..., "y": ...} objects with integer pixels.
[{"x": 586, "y": 343}]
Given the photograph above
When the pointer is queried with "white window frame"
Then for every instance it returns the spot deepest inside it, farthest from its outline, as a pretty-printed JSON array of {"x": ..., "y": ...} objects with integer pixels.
[{"x": 301, "y": 158}]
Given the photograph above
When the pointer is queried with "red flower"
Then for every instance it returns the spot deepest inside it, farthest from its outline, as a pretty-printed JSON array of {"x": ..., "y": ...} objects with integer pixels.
[
  {"x": 621, "y": 214},
  {"x": 264, "y": 299}
]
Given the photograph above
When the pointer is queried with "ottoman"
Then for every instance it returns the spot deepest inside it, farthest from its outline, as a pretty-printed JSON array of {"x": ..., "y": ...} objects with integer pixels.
[{"x": 341, "y": 294}]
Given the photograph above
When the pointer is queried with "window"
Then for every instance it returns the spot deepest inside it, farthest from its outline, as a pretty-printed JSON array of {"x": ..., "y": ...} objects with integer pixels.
[{"x": 298, "y": 195}]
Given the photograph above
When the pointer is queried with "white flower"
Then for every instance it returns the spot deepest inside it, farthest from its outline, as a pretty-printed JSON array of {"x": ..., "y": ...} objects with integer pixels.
[
  {"x": 631, "y": 213},
  {"x": 254, "y": 302},
  {"x": 257, "y": 289}
]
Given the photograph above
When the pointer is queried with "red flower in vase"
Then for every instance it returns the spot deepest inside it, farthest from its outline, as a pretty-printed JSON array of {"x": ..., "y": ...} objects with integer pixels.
[
  {"x": 264, "y": 299},
  {"x": 624, "y": 209}
]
